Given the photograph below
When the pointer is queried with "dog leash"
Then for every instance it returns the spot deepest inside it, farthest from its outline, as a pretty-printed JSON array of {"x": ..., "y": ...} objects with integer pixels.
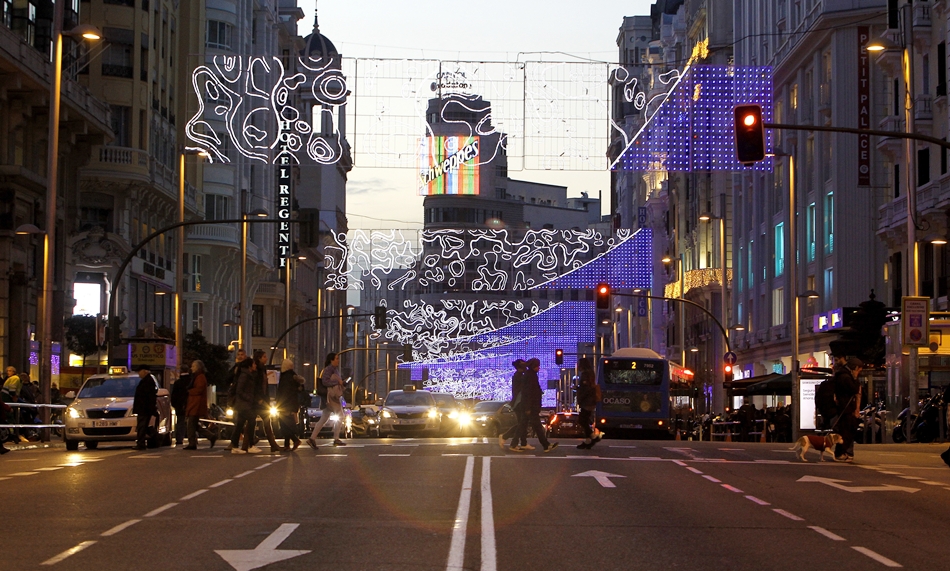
[{"x": 838, "y": 418}]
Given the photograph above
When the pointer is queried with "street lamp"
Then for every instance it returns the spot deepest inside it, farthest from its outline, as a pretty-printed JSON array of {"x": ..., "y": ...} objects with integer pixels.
[
  {"x": 52, "y": 165},
  {"x": 243, "y": 313},
  {"x": 706, "y": 217},
  {"x": 180, "y": 263}
]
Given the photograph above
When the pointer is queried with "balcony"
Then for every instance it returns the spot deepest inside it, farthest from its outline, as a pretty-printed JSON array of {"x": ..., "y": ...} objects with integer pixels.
[
  {"x": 227, "y": 234},
  {"x": 824, "y": 101},
  {"x": 698, "y": 279},
  {"x": 922, "y": 22},
  {"x": 923, "y": 108}
]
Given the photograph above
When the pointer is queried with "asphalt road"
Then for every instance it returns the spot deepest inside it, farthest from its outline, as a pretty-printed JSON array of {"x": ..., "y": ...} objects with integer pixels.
[{"x": 465, "y": 504}]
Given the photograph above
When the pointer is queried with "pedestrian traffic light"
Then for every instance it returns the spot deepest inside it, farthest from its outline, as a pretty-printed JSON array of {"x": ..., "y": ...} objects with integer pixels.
[
  {"x": 750, "y": 133},
  {"x": 603, "y": 296},
  {"x": 380, "y": 317},
  {"x": 727, "y": 374},
  {"x": 559, "y": 356}
]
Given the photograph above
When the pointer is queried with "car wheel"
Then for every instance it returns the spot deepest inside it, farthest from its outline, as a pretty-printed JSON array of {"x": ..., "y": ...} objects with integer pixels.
[
  {"x": 494, "y": 430},
  {"x": 90, "y": 444},
  {"x": 72, "y": 445}
]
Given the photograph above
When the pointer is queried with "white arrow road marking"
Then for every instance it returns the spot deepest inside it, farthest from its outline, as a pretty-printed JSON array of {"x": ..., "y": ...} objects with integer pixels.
[
  {"x": 603, "y": 478},
  {"x": 839, "y": 484},
  {"x": 265, "y": 553}
]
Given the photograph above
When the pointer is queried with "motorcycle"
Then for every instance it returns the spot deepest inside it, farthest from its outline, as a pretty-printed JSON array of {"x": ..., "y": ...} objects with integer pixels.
[
  {"x": 924, "y": 426},
  {"x": 870, "y": 425}
]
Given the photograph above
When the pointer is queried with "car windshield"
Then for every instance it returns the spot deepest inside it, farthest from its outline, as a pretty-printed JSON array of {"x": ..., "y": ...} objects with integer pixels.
[
  {"x": 444, "y": 400},
  {"x": 486, "y": 406},
  {"x": 123, "y": 387},
  {"x": 409, "y": 399}
]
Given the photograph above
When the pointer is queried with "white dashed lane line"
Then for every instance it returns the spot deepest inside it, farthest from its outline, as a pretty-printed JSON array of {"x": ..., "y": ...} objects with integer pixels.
[
  {"x": 242, "y": 474},
  {"x": 157, "y": 511},
  {"x": 120, "y": 527},
  {"x": 221, "y": 483},
  {"x": 826, "y": 533},
  {"x": 789, "y": 515},
  {"x": 732, "y": 488},
  {"x": 67, "y": 553},
  {"x": 757, "y": 500},
  {"x": 876, "y": 556},
  {"x": 711, "y": 479},
  {"x": 193, "y": 495}
]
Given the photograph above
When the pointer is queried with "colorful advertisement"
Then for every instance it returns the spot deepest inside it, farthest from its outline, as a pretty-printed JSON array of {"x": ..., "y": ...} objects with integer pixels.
[{"x": 448, "y": 165}]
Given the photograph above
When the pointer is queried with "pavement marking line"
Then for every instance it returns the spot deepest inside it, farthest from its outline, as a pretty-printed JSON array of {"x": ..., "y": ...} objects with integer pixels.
[
  {"x": 67, "y": 553},
  {"x": 25, "y": 474},
  {"x": 826, "y": 533},
  {"x": 221, "y": 483},
  {"x": 876, "y": 556},
  {"x": 281, "y": 459},
  {"x": 396, "y": 455},
  {"x": 616, "y": 446},
  {"x": 193, "y": 495},
  {"x": 889, "y": 472},
  {"x": 265, "y": 553},
  {"x": 732, "y": 449},
  {"x": 679, "y": 463},
  {"x": 49, "y": 468},
  {"x": 157, "y": 511},
  {"x": 4, "y": 478},
  {"x": 711, "y": 479},
  {"x": 469, "y": 455},
  {"x": 474, "y": 440},
  {"x": 120, "y": 527},
  {"x": 758, "y": 501},
  {"x": 905, "y": 477},
  {"x": 789, "y": 515},
  {"x": 262, "y": 466},
  {"x": 141, "y": 457},
  {"x": 330, "y": 455},
  {"x": 456, "y": 560},
  {"x": 242, "y": 474},
  {"x": 732, "y": 489},
  {"x": 71, "y": 464},
  {"x": 489, "y": 556},
  {"x": 694, "y": 470},
  {"x": 928, "y": 482}
]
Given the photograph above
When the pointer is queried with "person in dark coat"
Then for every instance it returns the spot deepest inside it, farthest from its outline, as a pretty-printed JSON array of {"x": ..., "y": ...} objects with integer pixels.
[
  {"x": 197, "y": 406},
  {"x": 848, "y": 397},
  {"x": 239, "y": 357},
  {"x": 245, "y": 407},
  {"x": 263, "y": 399},
  {"x": 179, "y": 402},
  {"x": 518, "y": 432},
  {"x": 587, "y": 401},
  {"x": 288, "y": 403},
  {"x": 532, "y": 395},
  {"x": 145, "y": 405}
]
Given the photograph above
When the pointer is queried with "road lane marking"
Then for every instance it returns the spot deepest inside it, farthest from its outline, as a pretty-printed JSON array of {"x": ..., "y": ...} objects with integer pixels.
[
  {"x": 396, "y": 455},
  {"x": 265, "y": 553},
  {"x": 789, "y": 515},
  {"x": 732, "y": 489},
  {"x": 603, "y": 478},
  {"x": 49, "y": 468},
  {"x": 193, "y": 495},
  {"x": 711, "y": 479},
  {"x": 67, "y": 553},
  {"x": 456, "y": 560},
  {"x": 330, "y": 455},
  {"x": 889, "y": 472},
  {"x": 469, "y": 455},
  {"x": 680, "y": 463},
  {"x": 281, "y": 459},
  {"x": 71, "y": 464},
  {"x": 157, "y": 511},
  {"x": 4, "y": 478},
  {"x": 876, "y": 556},
  {"x": 489, "y": 556},
  {"x": 694, "y": 470},
  {"x": 221, "y": 483},
  {"x": 826, "y": 533},
  {"x": 911, "y": 477},
  {"x": 262, "y": 466},
  {"x": 928, "y": 482},
  {"x": 840, "y": 484},
  {"x": 24, "y": 474},
  {"x": 758, "y": 501},
  {"x": 120, "y": 527},
  {"x": 242, "y": 474}
]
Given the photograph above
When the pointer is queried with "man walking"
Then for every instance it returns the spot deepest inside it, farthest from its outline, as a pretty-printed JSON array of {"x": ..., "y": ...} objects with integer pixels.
[
  {"x": 179, "y": 402},
  {"x": 263, "y": 399},
  {"x": 145, "y": 405},
  {"x": 848, "y": 396},
  {"x": 518, "y": 432},
  {"x": 532, "y": 394}
]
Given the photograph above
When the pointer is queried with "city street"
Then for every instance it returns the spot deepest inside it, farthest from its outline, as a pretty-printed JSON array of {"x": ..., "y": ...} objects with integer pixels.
[{"x": 464, "y": 504}]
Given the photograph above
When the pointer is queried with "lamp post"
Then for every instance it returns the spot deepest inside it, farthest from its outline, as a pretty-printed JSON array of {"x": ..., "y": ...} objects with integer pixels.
[
  {"x": 52, "y": 174},
  {"x": 243, "y": 312},
  {"x": 718, "y": 390},
  {"x": 180, "y": 269}
]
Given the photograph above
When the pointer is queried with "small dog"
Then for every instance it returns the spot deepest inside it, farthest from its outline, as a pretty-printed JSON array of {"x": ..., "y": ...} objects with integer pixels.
[{"x": 822, "y": 444}]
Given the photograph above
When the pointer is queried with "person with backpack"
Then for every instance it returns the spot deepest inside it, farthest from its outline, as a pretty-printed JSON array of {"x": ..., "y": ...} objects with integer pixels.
[
  {"x": 179, "y": 402},
  {"x": 588, "y": 397},
  {"x": 332, "y": 396},
  {"x": 848, "y": 397}
]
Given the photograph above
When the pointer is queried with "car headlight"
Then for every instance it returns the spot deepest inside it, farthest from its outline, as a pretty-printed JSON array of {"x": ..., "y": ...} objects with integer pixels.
[
  {"x": 387, "y": 414},
  {"x": 74, "y": 412},
  {"x": 433, "y": 413},
  {"x": 229, "y": 413},
  {"x": 465, "y": 418},
  {"x": 334, "y": 417},
  {"x": 371, "y": 421},
  {"x": 274, "y": 411},
  {"x": 349, "y": 421},
  {"x": 482, "y": 418},
  {"x": 454, "y": 414}
]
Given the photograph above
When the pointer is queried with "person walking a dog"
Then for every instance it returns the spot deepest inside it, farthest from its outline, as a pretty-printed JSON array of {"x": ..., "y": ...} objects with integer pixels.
[{"x": 848, "y": 397}]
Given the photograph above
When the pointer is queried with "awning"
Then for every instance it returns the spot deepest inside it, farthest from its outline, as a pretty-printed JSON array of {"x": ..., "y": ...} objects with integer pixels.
[
  {"x": 776, "y": 385},
  {"x": 738, "y": 386}
]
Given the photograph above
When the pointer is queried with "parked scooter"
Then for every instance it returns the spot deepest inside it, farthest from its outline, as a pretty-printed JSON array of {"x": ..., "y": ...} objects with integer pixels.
[{"x": 925, "y": 426}]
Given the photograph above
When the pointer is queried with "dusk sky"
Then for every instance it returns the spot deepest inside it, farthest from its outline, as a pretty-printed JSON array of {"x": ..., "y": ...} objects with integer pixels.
[{"x": 495, "y": 31}]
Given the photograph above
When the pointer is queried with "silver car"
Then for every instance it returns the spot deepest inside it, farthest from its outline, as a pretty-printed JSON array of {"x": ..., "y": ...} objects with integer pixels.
[
  {"x": 409, "y": 412},
  {"x": 102, "y": 412}
]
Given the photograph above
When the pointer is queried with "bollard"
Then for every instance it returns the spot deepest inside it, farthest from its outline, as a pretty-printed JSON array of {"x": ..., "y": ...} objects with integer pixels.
[
  {"x": 762, "y": 435},
  {"x": 678, "y": 437},
  {"x": 728, "y": 435}
]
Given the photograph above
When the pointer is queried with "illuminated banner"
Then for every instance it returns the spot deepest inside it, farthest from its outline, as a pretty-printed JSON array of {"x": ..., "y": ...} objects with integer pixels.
[
  {"x": 448, "y": 165},
  {"x": 284, "y": 196}
]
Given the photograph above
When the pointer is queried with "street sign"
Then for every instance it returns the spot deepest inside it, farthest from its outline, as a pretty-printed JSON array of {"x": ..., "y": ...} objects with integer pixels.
[
  {"x": 839, "y": 484},
  {"x": 265, "y": 553},
  {"x": 603, "y": 478},
  {"x": 730, "y": 358},
  {"x": 915, "y": 321}
]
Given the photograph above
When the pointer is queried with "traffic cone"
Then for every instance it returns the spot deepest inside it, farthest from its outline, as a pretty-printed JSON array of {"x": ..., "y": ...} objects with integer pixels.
[
  {"x": 728, "y": 436},
  {"x": 762, "y": 437},
  {"x": 678, "y": 437}
]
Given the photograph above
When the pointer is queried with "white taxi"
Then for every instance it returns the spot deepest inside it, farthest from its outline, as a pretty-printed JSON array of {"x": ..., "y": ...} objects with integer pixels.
[
  {"x": 409, "y": 412},
  {"x": 102, "y": 412}
]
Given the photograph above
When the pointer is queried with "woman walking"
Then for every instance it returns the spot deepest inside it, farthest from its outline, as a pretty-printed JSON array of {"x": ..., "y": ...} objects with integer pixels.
[
  {"x": 587, "y": 398},
  {"x": 245, "y": 411},
  {"x": 287, "y": 404},
  {"x": 332, "y": 380},
  {"x": 198, "y": 406}
]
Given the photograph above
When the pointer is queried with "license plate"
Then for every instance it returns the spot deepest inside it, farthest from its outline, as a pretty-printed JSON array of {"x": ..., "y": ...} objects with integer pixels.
[
  {"x": 411, "y": 421},
  {"x": 631, "y": 426},
  {"x": 568, "y": 424},
  {"x": 104, "y": 423}
]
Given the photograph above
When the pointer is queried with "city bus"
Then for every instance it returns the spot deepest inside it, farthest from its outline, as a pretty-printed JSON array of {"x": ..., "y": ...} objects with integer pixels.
[{"x": 642, "y": 392}]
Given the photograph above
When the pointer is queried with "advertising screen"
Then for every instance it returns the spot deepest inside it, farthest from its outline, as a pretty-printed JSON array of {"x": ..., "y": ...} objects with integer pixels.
[{"x": 448, "y": 165}]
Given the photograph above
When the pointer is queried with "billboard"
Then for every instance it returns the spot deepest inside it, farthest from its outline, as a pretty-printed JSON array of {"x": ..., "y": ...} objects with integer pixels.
[{"x": 448, "y": 165}]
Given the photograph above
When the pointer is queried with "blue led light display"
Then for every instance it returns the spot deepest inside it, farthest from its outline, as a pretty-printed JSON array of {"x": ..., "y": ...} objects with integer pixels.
[
  {"x": 693, "y": 130},
  {"x": 629, "y": 265}
]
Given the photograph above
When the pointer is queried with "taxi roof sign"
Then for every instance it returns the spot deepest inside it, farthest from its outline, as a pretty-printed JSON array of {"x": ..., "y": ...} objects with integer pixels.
[{"x": 118, "y": 370}]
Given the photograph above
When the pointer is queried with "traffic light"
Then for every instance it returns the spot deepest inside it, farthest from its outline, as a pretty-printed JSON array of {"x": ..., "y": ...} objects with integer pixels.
[
  {"x": 559, "y": 356},
  {"x": 750, "y": 133},
  {"x": 727, "y": 373},
  {"x": 603, "y": 296},
  {"x": 380, "y": 317},
  {"x": 861, "y": 333}
]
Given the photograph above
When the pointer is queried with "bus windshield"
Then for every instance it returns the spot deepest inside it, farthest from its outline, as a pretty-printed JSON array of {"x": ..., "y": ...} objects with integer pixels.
[{"x": 638, "y": 372}]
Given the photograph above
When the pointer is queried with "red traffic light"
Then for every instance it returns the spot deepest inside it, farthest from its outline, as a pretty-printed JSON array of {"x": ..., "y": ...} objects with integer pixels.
[
  {"x": 559, "y": 356},
  {"x": 603, "y": 296},
  {"x": 728, "y": 368},
  {"x": 749, "y": 133}
]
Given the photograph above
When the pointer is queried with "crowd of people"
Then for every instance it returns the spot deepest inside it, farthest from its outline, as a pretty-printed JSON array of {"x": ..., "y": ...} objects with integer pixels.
[{"x": 19, "y": 388}]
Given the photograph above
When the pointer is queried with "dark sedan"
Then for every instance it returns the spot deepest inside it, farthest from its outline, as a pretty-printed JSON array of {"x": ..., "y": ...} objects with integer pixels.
[
  {"x": 493, "y": 417},
  {"x": 565, "y": 425}
]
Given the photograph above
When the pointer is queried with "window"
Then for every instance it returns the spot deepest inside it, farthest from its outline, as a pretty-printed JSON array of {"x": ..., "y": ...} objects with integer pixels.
[
  {"x": 194, "y": 272},
  {"x": 121, "y": 124},
  {"x": 829, "y": 223},
  {"x": 810, "y": 233},
  {"x": 923, "y": 167},
  {"x": 90, "y": 217},
  {"x": 740, "y": 274},
  {"x": 779, "y": 249},
  {"x": 219, "y": 35},
  {"x": 197, "y": 316},
  {"x": 257, "y": 320},
  {"x": 217, "y": 207},
  {"x": 751, "y": 271},
  {"x": 778, "y": 306},
  {"x": 828, "y": 298},
  {"x": 117, "y": 60},
  {"x": 941, "y": 69}
]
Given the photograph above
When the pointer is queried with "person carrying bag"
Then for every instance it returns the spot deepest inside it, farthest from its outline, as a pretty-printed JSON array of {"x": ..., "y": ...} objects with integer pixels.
[{"x": 333, "y": 383}]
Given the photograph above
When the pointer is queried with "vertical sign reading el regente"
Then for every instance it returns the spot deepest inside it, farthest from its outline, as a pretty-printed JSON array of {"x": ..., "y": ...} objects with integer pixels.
[
  {"x": 864, "y": 107},
  {"x": 284, "y": 195}
]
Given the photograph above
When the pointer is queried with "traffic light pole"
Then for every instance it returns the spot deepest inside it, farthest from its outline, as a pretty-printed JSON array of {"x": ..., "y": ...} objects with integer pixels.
[{"x": 722, "y": 329}]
